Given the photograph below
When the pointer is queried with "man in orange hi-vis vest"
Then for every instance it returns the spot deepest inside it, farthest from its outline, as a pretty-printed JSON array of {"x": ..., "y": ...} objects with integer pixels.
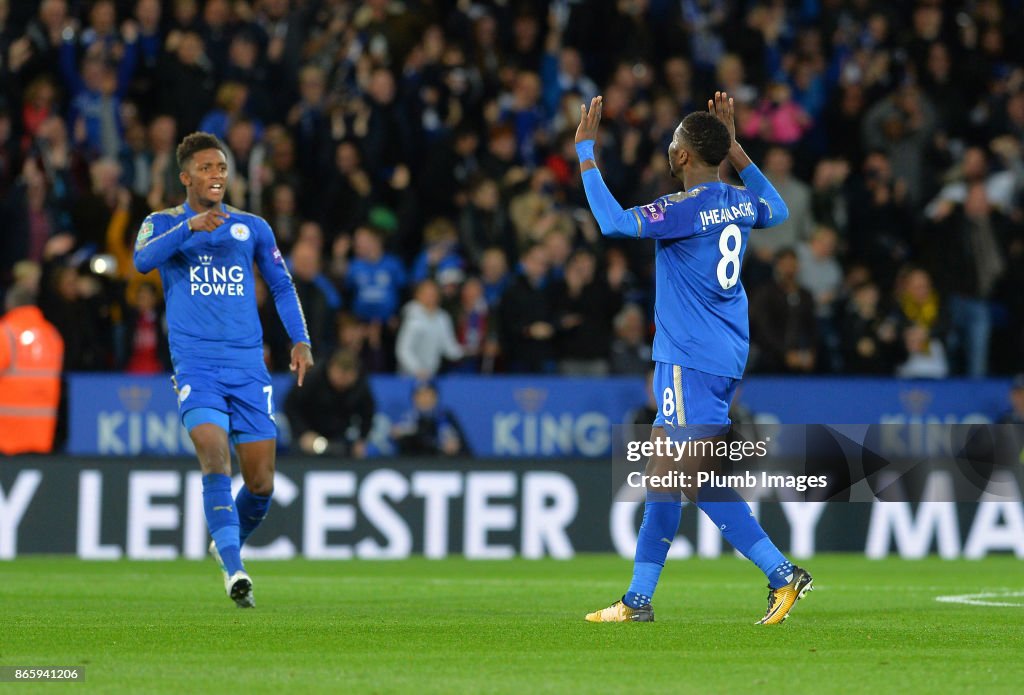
[{"x": 31, "y": 355}]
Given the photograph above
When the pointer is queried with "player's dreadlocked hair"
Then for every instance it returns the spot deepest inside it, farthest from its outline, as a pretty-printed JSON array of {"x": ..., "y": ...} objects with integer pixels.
[
  {"x": 196, "y": 142},
  {"x": 708, "y": 136}
]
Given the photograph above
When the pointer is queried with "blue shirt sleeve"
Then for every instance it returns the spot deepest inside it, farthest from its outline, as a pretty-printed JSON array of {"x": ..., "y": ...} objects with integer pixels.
[
  {"x": 771, "y": 208},
  {"x": 156, "y": 243},
  {"x": 611, "y": 218},
  {"x": 669, "y": 217},
  {"x": 282, "y": 289}
]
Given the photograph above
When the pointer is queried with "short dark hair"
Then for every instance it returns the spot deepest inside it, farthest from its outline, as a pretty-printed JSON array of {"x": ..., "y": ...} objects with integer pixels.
[
  {"x": 197, "y": 142},
  {"x": 345, "y": 360},
  {"x": 707, "y": 136}
]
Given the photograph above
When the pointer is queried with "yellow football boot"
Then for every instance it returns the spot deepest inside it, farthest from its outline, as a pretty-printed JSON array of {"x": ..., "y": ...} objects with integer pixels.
[
  {"x": 782, "y": 600},
  {"x": 619, "y": 612}
]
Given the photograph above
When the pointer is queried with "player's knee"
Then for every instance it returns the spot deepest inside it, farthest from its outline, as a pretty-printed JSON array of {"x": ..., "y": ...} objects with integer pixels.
[
  {"x": 211, "y": 449},
  {"x": 262, "y": 486}
]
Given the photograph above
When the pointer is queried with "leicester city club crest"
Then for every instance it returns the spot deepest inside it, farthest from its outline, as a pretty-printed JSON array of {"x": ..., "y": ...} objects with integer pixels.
[{"x": 240, "y": 232}]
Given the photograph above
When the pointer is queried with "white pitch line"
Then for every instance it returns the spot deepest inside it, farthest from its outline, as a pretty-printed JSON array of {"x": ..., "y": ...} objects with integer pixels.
[{"x": 982, "y": 599}]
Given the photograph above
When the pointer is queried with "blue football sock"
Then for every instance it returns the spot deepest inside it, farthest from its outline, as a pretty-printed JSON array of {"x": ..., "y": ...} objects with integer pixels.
[
  {"x": 662, "y": 512},
  {"x": 733, "y": 517},
  {"x": 222, "y": 519},
  {"x": 252, "y": 510}
]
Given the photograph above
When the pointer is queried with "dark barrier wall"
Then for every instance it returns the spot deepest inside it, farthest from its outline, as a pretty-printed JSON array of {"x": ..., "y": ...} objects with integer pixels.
[
  {"x": 113, "y": 414},
  {"x": 152, "y": 509}
]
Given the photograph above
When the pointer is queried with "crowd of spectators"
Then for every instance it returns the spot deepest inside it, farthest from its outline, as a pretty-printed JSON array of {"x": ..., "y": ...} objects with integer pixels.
[{"x": 415, "y": 160}]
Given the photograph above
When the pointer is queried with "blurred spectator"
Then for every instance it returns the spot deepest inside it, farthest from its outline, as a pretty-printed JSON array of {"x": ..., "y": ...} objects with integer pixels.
[
  {"x": 918, "y": 302},
  {"x": 167, "y": 190},
  {"x": 820, "y": 272},
  {"x": 429, "y": 429},
  {"x": 440, "y": 239},
  {"x": 375, "y": 278},
  {"x": 96, "y": 92},
  {"x": 970, "y": 258},
  {"x": 246, "y": 156},
  {"x": 66, "y": 304},
  {"x": 494, "y": 275},
  {"x": 333, "y": 412},
  {"x": 830, "y": 195},
  {"x": 187, "y": 82},
  {"x": 346, "y": 200},
  {"x": 245, "y": 67},
  {"x": 926, "y": 357},
  {"x": 1000, "y": 187},
  {"x": 474, "y": 330},
  {"x": 317, "y": 295},
  {"x": 426, "y": 335},
  {"x": 229, "y": 106},
  {"x": 484, "y": 223},
  {"x": 901, "y": 126},
  {"x": 31, "y": 356},
  {"x": 783, "y": 332},
  {"x": 583, "y": 306},
  {"x": 32, "y": 219},
  {"x": 109, "y": 214},
  {"x": 869, "y": 338},
  {"x": 778, "y": 167},
  {"x": 142, "y": 345},
  {"x": 879, "y": 203},
  {"x": 631, "y": 350},
  {"x": 777, "y": 119},
  {"x": 308, "y": 121},
  {"x": 40, "y": 103},
  {"x": 527, "y": 317}
]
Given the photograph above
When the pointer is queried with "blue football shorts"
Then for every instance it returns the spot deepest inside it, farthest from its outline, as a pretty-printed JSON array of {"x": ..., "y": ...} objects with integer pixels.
[
  {"x": 238, "y": 400},
  {"x": 692, "y": 404}
]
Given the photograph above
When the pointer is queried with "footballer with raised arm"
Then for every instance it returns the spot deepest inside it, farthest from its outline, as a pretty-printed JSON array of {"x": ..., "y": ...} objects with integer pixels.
[
  {"x": 701, "y": 340},
  {"x": 205, "y": 251}
]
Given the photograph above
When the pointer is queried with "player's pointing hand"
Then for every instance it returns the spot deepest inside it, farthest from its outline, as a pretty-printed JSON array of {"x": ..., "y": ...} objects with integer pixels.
[
  {"x": 589, "y": 120},
  {"x": 302, "y": 360},
  {"x": 723, "y": 107},
  {"x": 207, "y": 221}
]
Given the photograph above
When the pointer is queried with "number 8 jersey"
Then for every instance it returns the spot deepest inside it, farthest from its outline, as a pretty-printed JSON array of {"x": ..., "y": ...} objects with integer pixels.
[{"x": 700, "y": 308}]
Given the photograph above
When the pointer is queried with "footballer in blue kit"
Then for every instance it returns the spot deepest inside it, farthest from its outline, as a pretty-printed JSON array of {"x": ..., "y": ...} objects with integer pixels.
[
  {"x": 205, "y": 252},
  {"x": 701, "y": 339}
]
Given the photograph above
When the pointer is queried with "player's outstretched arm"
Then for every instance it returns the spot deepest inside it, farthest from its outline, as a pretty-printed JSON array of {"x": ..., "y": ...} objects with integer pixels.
[
  {"x": 611, "y": 218},
  {"x": 771, "y": 208}
]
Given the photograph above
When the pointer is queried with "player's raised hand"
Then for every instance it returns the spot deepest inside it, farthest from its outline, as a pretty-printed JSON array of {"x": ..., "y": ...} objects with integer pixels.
[
  {"x": 723, "y": 107},
  {"x": 207, "y": 221},
  {"x": 302, "y": 360},
  {"x": 589, "y": 120}
]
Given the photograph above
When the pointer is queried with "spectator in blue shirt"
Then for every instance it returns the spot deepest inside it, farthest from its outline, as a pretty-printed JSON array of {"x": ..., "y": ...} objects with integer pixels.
[
  {"x": 96, "y": 94},
  {"x": 440, "y": 253},
  {"x": 375, "y": 278}
]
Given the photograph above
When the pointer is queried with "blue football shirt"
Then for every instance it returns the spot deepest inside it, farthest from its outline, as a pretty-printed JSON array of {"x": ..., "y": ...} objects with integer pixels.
[
  {"x": 209, "y": 285},
  {"x": 376, "y": 286},
  {"x": 700, "y": 307}
]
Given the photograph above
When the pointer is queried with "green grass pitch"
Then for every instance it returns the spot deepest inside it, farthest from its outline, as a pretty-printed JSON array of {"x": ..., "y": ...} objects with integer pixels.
[{"x": 458, "y": 626}]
